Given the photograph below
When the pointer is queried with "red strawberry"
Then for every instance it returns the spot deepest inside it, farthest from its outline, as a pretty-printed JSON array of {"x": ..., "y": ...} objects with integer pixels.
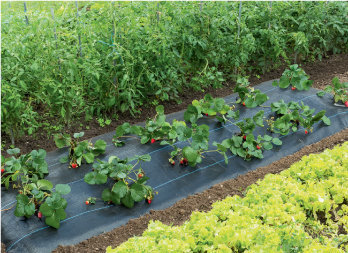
[
  {"x": 173, "y": 162},
  {"x": 244, "y": 137},
  {"x": 182, "y": 162},
  {"x": 258, "y": 147},
  {"x": 2, "y": 171},
  {"x": 153, "y": 140},
  {"x": 293, "y": 88},
  {"x": 243, "y": 104},
  {"x": 306, "y": 132},
  {"x": 74, "y": 165},
  {"x": 206, "y": 114},
  {"x": 140, "y": 175},
  {"x": 39, "y": 215},
  {"x": 346, "y": 103},
  {"x": 149, "y": 201},
  {"x": 87, "y": 202},
  {"x": 185, "y": 161}
]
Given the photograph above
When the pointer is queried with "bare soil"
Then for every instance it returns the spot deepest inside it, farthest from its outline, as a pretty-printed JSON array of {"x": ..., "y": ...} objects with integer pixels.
[
  {"x": 181, "y": 211},
  {"x": 321, "y": 72}
]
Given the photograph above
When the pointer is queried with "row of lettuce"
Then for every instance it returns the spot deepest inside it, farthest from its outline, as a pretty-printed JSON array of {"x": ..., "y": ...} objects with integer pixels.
[
  {"x": 36, "y": 195},
  {"x": 302, "y": 209},
  {"x": 116, "y": 57}
]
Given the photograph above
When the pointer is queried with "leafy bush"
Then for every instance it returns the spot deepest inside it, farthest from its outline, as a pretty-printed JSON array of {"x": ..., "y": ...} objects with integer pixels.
[
  {"x": 302, "y": 209},
  {"x": 120, "y": 70}
]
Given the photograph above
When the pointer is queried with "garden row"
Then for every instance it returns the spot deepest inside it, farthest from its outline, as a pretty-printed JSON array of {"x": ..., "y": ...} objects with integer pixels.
[
  {"x": 36, "y": 196},
  {"x": 302, "y": 209},
  {"x": 110, "y": 58}
]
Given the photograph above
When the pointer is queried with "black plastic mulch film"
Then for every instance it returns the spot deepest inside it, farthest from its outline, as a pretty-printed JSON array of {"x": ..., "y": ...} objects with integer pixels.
[{"x": 172, "y": 183}]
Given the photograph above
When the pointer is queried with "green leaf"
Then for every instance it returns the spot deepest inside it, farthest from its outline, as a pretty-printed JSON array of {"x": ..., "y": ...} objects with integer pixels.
[
  {"x": 120, "y": 188},
  {"x": 62, "y": 140},
  {"x": 191, "y": 114},
  {"x": 160, "y": 109},
  {"x": 261, "y": 98},
  {"x": 267, "y": 145},
  {"x": 320, "y": 93},
  {"x": 100, "y": 146},
  {"x": 78, "y": 135},
  {"x": 144, "y": 139},
  {"x": 145, "y": 158},
  {"x": 63, "y": 189},
  {"x": 53, "y": 221},
  {"x": 95, "y": 178},
  {"x": 326, "y": 120},
  {"x": 89, "y": 157},
  {"x": 284, "y": 82},
  {"x": 258, "y": 118},
  {"x": 138, "y": 192},
  {"x": 190, "y": 154},
  {"x": 13, "y": 151},
  {"x": 277, "y": 141},
  {"x": 106, "y": 195},
  {"x": 46, "y": 210},
  {"x": 128, "y": 200},
  {"x": 44, "y": 184}
]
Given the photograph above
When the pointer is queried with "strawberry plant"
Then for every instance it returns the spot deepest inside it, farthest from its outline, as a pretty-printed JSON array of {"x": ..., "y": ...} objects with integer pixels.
[
  {"x": 339, "y": 90},
  {"x": 248, "y": 96},
  {"x": 36, "y": 195},
  {"x": 155, "y": 129},
  {"x": 20, "y": 169},
  {"x": 79, "y": 151},
  {"x": 244, "y": 144},
  {"x": 130, "y": 181},
  {"x": 209, "y": 106},
  {"x": 294, "y": 76},
  {"x": 292, "y": 115},
  {"x": 247, "y": 146}
]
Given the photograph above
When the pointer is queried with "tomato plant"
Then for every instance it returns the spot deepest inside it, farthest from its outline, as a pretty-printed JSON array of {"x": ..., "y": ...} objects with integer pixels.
[
  {"x": 130, "y": 181},
  {"x": 79, "y": 151}
]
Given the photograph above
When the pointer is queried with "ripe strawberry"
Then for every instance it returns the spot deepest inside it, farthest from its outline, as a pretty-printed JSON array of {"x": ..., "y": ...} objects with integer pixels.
[
  {"x": 206, "y": 114},
  {"x": 306, "y": 132},
  {"x": 39, "y": 215},
  {"x": 243, "y": 104},
  {"x": 140, "y": 175},
  {"x": 346, "y": 103},
  {"x": 182, "y": 162},
  {"x": 258, "y": 147},
  {"x": 149, "y": 201},
  {"x": 293, "y": 88},
  {"x": 2, "y": 171},
  {"x": 74, "y": 165},
  {"x": 173, "y": 162},
  {"x": 185, "y": 160},
  {"x": 244, "y": 137},
  {"x": 153, "y": 140},
  {"x": 87, "y": 202}
]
